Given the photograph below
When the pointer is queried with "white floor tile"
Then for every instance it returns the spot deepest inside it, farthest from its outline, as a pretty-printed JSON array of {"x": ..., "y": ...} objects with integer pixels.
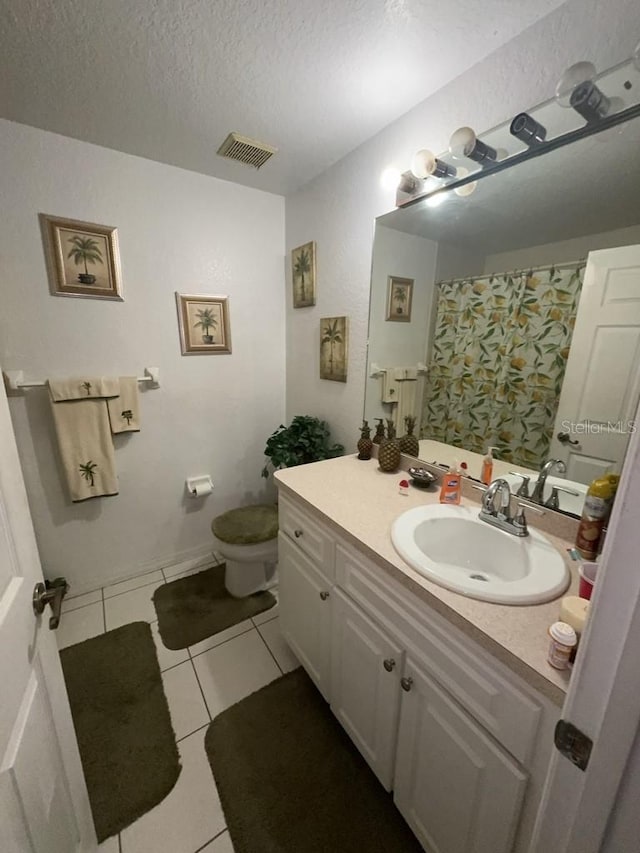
[
  {"x": 188, "y": 711},
  {"x": 167, "y": 657},
  {"x": 221, "y": 637},
  {"x": 188, "y": 817},
  {"x": 133, "y": 583},
  {"x": 221, "y": 844},
  {"x": 173, "y": 572},
  {"x": 76, "y": 601},
  {"x": 134, "y": 606},
  {"x": 111, "y": 845},
  {"x": 186, "y": 573},
  {"x": 232, "y": 671},
  {"x": 278, "y": 646},
  {"x": 78, "y": 625}
]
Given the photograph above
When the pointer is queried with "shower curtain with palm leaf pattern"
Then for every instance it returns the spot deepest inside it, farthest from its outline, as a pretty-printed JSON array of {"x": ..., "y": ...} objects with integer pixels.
[{"x": 498, "y": 358}]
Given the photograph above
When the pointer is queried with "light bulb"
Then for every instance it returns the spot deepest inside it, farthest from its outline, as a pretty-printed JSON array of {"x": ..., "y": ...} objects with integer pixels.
[
  {"x": 465, "y": 189},
  {"x": 390, "y": 178},
  {"x": 574, "y": 76},
  {"x": 436, "y": 200},
  {"x": 465, "y": 143}
]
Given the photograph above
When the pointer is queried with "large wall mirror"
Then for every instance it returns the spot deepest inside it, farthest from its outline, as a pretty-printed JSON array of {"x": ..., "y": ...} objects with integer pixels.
[{"x": 524, "y": 328}]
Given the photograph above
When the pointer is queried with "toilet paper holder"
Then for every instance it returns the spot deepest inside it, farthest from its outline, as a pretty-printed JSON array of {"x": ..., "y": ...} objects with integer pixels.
[{"x": 199, "y": 487}]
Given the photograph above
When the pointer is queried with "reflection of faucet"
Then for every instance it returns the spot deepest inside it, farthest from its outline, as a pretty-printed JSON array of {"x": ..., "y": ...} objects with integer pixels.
[
  {"x": 547, "y": 468},
  {"x": 501, "y": 518}
]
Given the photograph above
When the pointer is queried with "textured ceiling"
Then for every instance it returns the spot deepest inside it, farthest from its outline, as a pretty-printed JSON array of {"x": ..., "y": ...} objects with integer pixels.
[{"x": 168, "y": 79}]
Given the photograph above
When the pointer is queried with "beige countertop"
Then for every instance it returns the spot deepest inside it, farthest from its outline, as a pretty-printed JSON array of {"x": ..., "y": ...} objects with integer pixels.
[{"x": 361, "y": 503}]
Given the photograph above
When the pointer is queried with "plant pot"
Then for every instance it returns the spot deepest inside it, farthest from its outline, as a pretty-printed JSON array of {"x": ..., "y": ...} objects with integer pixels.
[
  {"x": 86, "y": 278},
  {"x": 207, "y": 339}
]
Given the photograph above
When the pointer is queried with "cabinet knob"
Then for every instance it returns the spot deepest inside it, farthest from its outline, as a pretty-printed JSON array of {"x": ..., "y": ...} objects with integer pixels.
[
  {"x": 298, "y": 533},
  {"x": 406, "y": 683},
  {"x": 324, "y": 595},
  {"x": 388, "y": 664}
]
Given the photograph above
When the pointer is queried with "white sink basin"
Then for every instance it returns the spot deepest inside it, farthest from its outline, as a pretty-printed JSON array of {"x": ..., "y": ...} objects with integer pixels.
[{"x": 452, "y": 547}]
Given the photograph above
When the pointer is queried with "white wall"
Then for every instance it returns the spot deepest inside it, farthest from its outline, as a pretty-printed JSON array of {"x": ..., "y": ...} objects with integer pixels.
[
  {"x": 398, "y": 344},
  {"x": 337, "y": 209},
  {"x": 178, "y": 231}
]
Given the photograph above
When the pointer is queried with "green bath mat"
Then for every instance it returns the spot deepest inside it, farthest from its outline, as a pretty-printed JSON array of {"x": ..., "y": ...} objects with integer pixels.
[
  {"x": 291, "y": 781},
  {"x": 196, "y": 607},
  {"x": 122, "y": 723}
]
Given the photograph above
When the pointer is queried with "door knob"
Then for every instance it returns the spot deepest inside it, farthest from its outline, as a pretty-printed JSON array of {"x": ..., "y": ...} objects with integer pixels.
[
  {"x": 389, "y": 664},
  {"x": 50, "y": 592},
  {"x": 564, "y": 438},
  {"x": 324, "y": 595},
  {"x": 406, "y": 683}
]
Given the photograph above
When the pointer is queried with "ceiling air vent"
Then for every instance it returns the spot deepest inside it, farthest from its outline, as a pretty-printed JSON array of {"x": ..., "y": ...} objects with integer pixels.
[{"x": 246, "y": 150}]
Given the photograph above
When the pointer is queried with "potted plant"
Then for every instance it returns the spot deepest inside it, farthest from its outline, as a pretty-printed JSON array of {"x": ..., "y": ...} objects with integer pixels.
[
  {"x": 306, "y": 439},
  {"x": 206, "y": 321},
  {"x": 85, "y": 250}
]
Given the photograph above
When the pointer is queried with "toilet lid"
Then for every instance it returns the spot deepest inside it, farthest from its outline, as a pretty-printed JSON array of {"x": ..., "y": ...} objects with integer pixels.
[{"x": 247, "y": 525}]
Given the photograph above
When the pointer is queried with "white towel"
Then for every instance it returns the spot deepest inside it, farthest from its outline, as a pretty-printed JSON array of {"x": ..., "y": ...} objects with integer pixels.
[
  {"x": 406, "y": 403},
  {"x": 390, "y": 386},
  {"x": 124, "y": 410},
  {"x": 86, "y": 447}
]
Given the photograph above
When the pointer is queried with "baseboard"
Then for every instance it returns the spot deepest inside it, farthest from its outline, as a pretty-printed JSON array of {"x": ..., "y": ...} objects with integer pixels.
[{"x": 180, "y": 562}]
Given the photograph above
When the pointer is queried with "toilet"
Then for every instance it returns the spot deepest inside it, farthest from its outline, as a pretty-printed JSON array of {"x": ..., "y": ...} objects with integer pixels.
[{"x": 247, "y": 539}]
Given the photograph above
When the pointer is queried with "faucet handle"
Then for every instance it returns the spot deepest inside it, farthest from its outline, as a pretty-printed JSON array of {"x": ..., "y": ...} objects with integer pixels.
[
  {"x": 523, "y": 490},
  {"x": 531, "y": 508}
]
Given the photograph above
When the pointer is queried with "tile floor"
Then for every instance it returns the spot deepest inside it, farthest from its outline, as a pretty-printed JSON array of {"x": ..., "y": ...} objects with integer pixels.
[{"x": 199, "y": 682}]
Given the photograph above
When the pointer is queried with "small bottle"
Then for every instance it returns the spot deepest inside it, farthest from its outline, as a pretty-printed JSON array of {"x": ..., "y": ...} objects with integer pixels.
[
  {"x": 487, "y": 467},
  {"x": 562, "y": 641},
  {"x": 451, "y": 487},
  {"x": 596, "y": 509}
]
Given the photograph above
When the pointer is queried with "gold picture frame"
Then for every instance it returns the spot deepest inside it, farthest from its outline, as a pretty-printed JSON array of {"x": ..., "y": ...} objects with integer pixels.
[
  {"x": 399, "y": 296},
  {"x": 204, "y": 324},
  {"x": 83, "y": 258},
  {"x": 303, "y": 275},
  {"x": 334, "y": 348}
]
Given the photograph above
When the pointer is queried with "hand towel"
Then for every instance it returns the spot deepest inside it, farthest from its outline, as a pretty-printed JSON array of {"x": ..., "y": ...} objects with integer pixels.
[
  {"x": 390, "y": 386},
  {"x": 406, "y": 403},
  {"x": 124, "y": 411},
  {"x": 83, "y": 388},
  {"x": 86, "y": 447}
]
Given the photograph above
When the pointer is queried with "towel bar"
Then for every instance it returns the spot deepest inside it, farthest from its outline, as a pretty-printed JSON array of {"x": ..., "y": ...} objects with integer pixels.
[{"x": 15, "y": 379}]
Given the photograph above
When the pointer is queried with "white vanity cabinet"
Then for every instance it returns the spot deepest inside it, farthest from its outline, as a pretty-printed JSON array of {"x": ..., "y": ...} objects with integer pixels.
[{"x": 461, "y": 742}]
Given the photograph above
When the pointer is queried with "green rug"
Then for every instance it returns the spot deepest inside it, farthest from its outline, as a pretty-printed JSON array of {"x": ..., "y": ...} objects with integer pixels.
[
  {"x": 291, "y": 781},
  {"x": 122, "y": 723},
  {"x": 196, "y": 607}
]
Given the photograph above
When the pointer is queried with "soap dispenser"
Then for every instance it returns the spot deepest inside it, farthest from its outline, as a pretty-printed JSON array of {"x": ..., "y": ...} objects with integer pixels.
[{"x": 487, "y": 467}]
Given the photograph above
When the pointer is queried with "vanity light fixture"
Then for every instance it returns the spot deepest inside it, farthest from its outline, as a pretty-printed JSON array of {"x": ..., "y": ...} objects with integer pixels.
[
  {"x": 425, "y": 164},
  {"x": 390, "y": 178},
  {"x": 577, "y": 90},
  {"x": 465, "y": 143},
  {"x": 525, "y": 128}
]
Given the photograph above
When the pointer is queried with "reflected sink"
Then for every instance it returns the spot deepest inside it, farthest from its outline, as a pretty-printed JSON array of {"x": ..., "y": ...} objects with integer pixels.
[
  {"x": 568, "y": 503},
  {"x": 452, "y": 547}
]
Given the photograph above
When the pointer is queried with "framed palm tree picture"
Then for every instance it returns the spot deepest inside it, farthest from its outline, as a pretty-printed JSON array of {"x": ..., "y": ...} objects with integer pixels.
[
  {"x": 334, "y": 341},
  {"x": 399, "y": 294},
  {"x": 82, "y": 258},
  {"x": 303, "y": 270},
  {"x": 204, "y": 324}
]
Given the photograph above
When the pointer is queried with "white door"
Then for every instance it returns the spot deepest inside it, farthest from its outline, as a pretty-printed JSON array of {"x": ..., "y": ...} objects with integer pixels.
[
  {"x": 305, "y": 612},
  {"x": 456, "y": 788},
  {"x": 602, "y": 380},
  {"x": 366, "y": 666},
  {"x": 43, "y": 799}
]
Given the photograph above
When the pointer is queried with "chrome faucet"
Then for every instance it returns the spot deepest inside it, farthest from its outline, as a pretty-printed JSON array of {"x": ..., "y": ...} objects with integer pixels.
[
  {"x": 538, "y": 490},
  {"x": 500, "y": 517}
]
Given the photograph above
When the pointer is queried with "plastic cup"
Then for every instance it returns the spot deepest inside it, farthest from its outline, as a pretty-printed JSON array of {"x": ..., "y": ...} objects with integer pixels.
[{"x": 587, "y": 572}]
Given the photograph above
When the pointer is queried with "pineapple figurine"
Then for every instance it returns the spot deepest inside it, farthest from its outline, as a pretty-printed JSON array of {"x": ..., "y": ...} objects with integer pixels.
[
  {"x": 365, "y": 445},
  {"x": 389, "y": 451},
  {"x": 409, "y": 443},
  {"x": 379, "y": 436}
]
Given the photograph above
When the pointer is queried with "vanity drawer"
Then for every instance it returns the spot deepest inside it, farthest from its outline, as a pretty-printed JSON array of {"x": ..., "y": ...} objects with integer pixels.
[
  {"x": 478, "y": 684},
  {"x": 313, "y": 539}
]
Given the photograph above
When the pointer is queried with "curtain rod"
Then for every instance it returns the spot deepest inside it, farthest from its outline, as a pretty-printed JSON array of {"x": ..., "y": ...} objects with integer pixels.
[{"x": 466, "y": 278}]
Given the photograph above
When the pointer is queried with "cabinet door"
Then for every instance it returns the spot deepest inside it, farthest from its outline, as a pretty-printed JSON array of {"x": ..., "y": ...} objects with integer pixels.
[
  {"x": 365, "y": 684},
  {"x": 305, "y": 612},
  {"x": 455, "y": 787}
]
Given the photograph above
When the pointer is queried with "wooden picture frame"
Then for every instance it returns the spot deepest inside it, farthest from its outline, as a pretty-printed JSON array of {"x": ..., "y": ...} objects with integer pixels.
[
  {"x": 399, "y": 296},
  {"x": 83, "y": 258},
  {"x": 334, "y": 348},
  {"x": 303, "y": 275},
  {"x": 204, "y": 324}
]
